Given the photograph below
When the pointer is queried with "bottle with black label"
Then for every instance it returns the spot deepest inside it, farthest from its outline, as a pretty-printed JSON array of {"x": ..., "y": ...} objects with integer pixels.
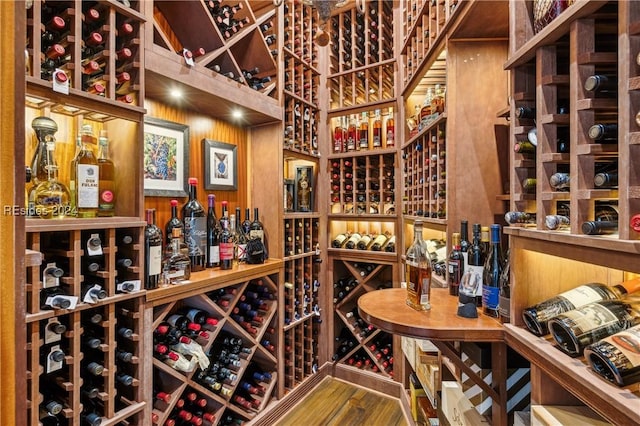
[{"x": 195, "y": 228}]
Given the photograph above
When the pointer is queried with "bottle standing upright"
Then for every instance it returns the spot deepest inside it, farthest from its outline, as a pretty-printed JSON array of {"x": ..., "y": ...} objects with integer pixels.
[
  {"x": 153, "y": 251},
  {"x": 195, "y": 228},
  {"x": 491, "y": 276},
  {"x": 418, "y": 272},
  {"x": 213, "y": 234}
]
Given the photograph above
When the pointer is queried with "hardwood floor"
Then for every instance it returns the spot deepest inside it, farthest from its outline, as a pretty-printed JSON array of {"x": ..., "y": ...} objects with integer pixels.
[{"x": 337, "y": 403}]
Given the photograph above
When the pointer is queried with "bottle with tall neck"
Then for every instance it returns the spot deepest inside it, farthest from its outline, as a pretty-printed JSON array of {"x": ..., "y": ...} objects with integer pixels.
[
  {"x": 491, "y": 274},
  {"x": 256, "y": 230},
  {"x": 106, "y": 175},
  {"x": 241, "y": 239},
  {"x": 418, "y": 272},
  {"x": 152, "y": 252},
  {"x": 455, "y": 263},
  {"x": 213, "y": 234},
  {"x": 471, "y": 281},
  {"x": 390, "y": 130},
  {"x": 616, "y": 357},
  {"x": 195, "y": 228},
  {"x": 226, "y": 240},
  {"x": 363, "y": 132},
  {"x": 536, "y": 317},
  {"x": 377, "y": 130},
  {"x": 173, "y": 222},
  {"x": 84, "y": 181},
  {"x": 504, "y": 303}
]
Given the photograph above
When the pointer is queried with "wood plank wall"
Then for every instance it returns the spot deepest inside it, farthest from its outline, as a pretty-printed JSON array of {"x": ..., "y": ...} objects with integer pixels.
[{"x": 202, "y": 126}]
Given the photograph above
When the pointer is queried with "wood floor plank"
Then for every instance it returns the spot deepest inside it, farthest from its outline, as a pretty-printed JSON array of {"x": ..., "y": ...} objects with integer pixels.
[{"x": 337, "y": 403}]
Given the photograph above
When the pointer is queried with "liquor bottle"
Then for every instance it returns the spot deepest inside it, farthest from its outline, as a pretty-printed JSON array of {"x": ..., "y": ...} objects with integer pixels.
[
  {"x": 504, "y": 300},
  {"x": 418, "y": 272},
  {"x": 576, "y": 329},
  {"x": 241, "y": 240},
  {"x": 352, "y": 134},
  {"x": 106, "y": 178},
  {"x": 425, "y": 111},
  {"x": 601, "y": 83},
  {"x": 455, "y": 265},
  {"x": 226, "y": 240},
  {"x": 390, "y": 130},
  {"x": 338, "y": 137},
  {"x": 51, "y": 198},
  {"x": 353, "y": 240},
  {"x": 213, "y": 237},
  {"x": 536, "y": 317},
  {"x": 256, "y": 230},
  {"x": 84, "y": 180},
  {"x": 195, "y": 228},
  {"x": 615, "y": 358},
  {"x": 560, "y": 181},
  {"x": 176, "y": 266},
  {"x": 339, "y": 240},
  {"x": 44, "y": 129},
  {"x": 471, "y": 283},
  {"x": 173, "y": 222},
  {"x": 491, "y": 274},
  {"x": 153, "y": 251},
  {"x": 377, "y": 130},
  {"x": 379, "y": 241},
  {"x": 516, "y": 217},
  {"x": 363, "y": 132},
  {"x": 604, "y": 133}
]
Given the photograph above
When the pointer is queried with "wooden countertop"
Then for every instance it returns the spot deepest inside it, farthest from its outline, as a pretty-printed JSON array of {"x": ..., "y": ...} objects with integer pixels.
[{"x": 387, "y": 310}]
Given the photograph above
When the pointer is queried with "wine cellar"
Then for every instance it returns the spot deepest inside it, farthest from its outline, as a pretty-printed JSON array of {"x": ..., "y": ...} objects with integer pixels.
[{"x": 505, "y": 132}]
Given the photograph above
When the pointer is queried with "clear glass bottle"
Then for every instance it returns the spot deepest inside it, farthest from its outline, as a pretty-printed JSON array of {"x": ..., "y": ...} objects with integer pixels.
[
  {"x": 84, "y": 181},
  {"x": 51, "y": 197},
  {"x": 176, "y": 265},
  {"x": 106, "y": 174},
  {"x": 418, "y": 272}
]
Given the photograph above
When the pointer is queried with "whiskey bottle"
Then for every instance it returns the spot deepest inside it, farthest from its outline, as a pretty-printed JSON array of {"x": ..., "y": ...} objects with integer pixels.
[
  {"x": 176, "y": 265},
  {"x": 418, "y": 272},
  {"x": 195, "y": 228},
  {"x": 153, "y": 251},
  {"x": 84, "y": 181}
]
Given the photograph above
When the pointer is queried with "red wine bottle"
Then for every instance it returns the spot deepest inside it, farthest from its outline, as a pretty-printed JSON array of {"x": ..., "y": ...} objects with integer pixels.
[
  {"x": 491, "y": 274},
  {"x": 213, "y": 237},
  {"x": 153, "y": 251},
  {"x": 173, "y": 222},
  {"x": 616, "y": 357},
  {"x": 226, "y": 240},
  {"x": 195, "y": 228}
]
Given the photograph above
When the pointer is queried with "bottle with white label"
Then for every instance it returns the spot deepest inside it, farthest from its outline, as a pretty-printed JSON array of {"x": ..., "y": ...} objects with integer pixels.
[
  {"x": 536, "y": 317},
  {"x": 194, "y": 218},
  {"x": 153, "y": 251},
  {"x": 85, "y": 174},
  {"x": 176, "y": 264},
  {"x": 617, "y": 357}
]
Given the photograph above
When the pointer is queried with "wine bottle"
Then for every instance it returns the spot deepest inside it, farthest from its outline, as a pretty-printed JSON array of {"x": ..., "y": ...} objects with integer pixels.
[
  {"x": 491, "y": 274},
  {"x": 241, "y": 239},
  {"x": 84, "y": 180},
  {"x": 536, "y": 317},
  {"x": 601, "y": 83},
  {"x": 560, "y": 181},
  {"x": 390, "y": 247},
  {"x": 339, "y": 240},
  {"x": 226, "y": 240},
  {"x": 504, "y": 303},
  {"x": 605, "y": 180},
  {"x": 635, "y": 222},
  {"x": 524, "y": 147},
  {"x": 364, "y": 242},
  {"x": 525, "y": 113},
  {"x": 363, "y": 132},
  {"x": 606, "y": 221},
  {"x": 604, "y": 133},
  {"x": 173, "y": 222},
  {"x": 576, "y": 329},
  {"x": 153, "y": 251},
  {"x": 515, "y": 217},
  {"x": 353, "y": 240},
  {"x": 455, "y": 265},
  {"x": 554, "y": 221},
  {"x": 195, "y": 228},
  {"x": 55, "y": 298},
  {"x": 377, "y": 130},
  {"x": 418, "y": 272},
  {"x": 471, "y": 282},
  {"x": 616, "y": 357},
  {"x": 213, "y": 234},
  {"x": 390, "y": 130},
  {"x": 379, "y": 242}
]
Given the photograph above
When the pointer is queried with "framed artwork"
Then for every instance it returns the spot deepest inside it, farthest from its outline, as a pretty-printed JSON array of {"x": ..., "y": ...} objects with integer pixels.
[
  {"x": 220, "y": 165},
  {"x": 166, "y": 158},
  {"x": 303, "y": 198}
]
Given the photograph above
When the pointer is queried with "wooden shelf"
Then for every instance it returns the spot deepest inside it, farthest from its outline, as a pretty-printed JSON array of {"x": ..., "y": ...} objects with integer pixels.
[{"x": 617, "y": 405}]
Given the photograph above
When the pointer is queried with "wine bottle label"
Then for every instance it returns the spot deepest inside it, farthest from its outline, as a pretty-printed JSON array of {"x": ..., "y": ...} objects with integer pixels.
[
  {"x": 257, "y": 233},
  {"x": 128, "y": 286},
  {"x": 51, "y": 364},
  {"x": 87, "y": 186},
  {"x": 582, "y": 295},
  {"x": 195, "y": 235},
  {"x": 49, "y": 280},
  {"x": 242, "y": 252},
  {"x": 155, "y": 260},
  {"x": 471, "y": 281},
  {"x": 226, "y": 251},
  {"x": 628, "y": 343},
  {"x": 214, "y": 254},
  {"x": 589, "y": 317},
  {"x": 89, "y": 295},
  {"x": 50, "y": 336},
  {"x": 490, "y": 297},
  {"x": 73, "y": 300}
]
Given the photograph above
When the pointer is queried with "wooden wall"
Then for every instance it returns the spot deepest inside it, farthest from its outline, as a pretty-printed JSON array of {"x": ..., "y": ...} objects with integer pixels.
[{"x": 202, "y": 126}]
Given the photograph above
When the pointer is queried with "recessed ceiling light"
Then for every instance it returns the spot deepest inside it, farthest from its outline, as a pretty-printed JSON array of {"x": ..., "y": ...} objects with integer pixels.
[
  {"x": 176, "y": 93},
  {"x": 237, "y": 113}
]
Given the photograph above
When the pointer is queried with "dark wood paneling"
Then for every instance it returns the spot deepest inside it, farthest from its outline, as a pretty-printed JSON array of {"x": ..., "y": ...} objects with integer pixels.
[{"x": 202, "y": 126}]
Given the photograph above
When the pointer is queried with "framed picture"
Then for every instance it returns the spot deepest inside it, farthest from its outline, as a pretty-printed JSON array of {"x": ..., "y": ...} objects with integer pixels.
[
  {"x": 220, "y": 165},
  {"x": 303, "y": 194},
  {"x": 166, "y": 158}
]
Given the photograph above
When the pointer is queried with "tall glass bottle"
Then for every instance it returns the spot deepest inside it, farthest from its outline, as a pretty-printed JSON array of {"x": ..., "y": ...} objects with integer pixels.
[
  {"x": 363, "y": 132},
  {"x": 456, "y": 265},
  {"x": 464, "y": 242},
  {"x": 45, "y": 129},
  {"x": 176, "y": 265},
  {"x": 471, "y": 282},
  {"x": 241, "y": 239},
  {"x": 173, "y": 222},
  {"x": 377, "y": 130},
  {"x": 106, "y": 175},
  {"x": 391, "y": 131},
  {"x": 352, "y": 134},
  {"x": 195, "y": 228},
  {"x": 226, "y": 240},
  {"x": 537, "y": 317},
  {"x": 491, "y": 275},
  {"x": 256, "y": 230},
  {"x": 84, "y": 180},
  {"x": 504, "y": 303},
  {"x": 51, "y": 197},
  {"x": 152, "y": 252},
  {"x": 213, "y": 234},
  {"x": 246, "y": 223},
  {"x": 418, "y": 271}
]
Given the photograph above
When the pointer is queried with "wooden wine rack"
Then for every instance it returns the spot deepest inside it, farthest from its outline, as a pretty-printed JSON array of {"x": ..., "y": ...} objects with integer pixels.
[
  {"x": 64, "y": 242},
  {"x": 548, "y": 72},
  {"x": 120, "y": 28},
  {"x": 199, "y": 293}
]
